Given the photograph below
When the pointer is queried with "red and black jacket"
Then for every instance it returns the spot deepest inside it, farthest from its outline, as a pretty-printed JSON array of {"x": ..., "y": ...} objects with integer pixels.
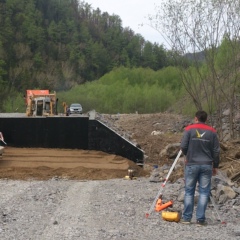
[{"x": 200, "y": 145}]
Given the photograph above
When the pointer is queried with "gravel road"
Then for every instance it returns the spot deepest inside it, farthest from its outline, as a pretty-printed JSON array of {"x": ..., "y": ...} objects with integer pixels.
[{"x": 96, "y": 210}]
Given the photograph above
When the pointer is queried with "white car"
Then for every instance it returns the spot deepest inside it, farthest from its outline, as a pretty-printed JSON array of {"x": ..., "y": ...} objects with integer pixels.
[{"x": 75, "y": 108}]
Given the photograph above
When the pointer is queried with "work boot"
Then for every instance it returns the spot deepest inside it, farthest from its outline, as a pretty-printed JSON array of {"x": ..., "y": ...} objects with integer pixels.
[
  {"x": 185, "y": 221},
  {"x": 201, "y": 223}
]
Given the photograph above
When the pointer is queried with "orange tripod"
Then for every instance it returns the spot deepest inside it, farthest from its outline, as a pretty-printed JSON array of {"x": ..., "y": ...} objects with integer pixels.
[
  {"x": 160, "y": 206},
  {"x": 163, "y": 185}
]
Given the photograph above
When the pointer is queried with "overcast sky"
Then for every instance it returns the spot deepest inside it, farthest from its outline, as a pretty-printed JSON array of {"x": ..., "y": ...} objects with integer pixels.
[{"x": 132, "y": 13}]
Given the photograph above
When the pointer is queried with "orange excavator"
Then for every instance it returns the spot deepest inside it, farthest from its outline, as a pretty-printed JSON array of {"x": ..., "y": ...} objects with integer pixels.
[{"x": 40, "y": 103}]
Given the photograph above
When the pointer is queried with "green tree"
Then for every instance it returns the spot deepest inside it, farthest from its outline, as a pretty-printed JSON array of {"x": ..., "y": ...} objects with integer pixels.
[{"x": 201, "y": 26}]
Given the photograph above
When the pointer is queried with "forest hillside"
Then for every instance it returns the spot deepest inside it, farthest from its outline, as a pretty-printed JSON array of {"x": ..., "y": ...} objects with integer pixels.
[{"x": 58, "y": 44}]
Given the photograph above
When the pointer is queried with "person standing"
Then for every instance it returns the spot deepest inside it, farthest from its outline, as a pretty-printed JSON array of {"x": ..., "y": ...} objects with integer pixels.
[
  {"x": 200, "y": 145},
  {"x": 1, "y": 138}
]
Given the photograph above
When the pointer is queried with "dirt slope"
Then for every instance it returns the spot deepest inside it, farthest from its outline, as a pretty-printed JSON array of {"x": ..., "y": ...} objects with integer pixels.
[
  {"x": 171, "y": 126},
  {"x": 141, "y": 127}
]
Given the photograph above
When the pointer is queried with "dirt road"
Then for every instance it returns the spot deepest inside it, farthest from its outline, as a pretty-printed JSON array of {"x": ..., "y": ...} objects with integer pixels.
[{"x": 100, "y": 210}]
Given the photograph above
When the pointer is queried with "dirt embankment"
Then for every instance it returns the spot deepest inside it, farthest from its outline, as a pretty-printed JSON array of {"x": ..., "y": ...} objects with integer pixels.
[
  {"x": 24, "y": 163},
  {"x": 170, "y": 129}
]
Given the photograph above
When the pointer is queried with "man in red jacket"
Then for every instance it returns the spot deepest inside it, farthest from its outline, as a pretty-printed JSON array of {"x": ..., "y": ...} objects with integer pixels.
[{"x": 200, "y": 145}]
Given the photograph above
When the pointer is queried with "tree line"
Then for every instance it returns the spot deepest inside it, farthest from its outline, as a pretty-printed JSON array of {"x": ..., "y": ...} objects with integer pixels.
[{"x": 58, "y": 44}]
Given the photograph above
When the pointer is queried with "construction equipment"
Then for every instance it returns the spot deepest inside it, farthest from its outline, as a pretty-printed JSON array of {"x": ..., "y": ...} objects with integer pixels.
[
  {"x": 163, "y": 185},
  {"x": 41, "y": 103},
  {"x": 160, "y": 205},
  {"x": 65, "y": 107},
  {"x": 171, "y": 216},
  {"x": 131, "y": 174}
]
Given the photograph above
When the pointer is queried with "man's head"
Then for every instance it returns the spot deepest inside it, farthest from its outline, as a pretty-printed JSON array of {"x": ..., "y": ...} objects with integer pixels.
[{"x": 201, "y": 116}]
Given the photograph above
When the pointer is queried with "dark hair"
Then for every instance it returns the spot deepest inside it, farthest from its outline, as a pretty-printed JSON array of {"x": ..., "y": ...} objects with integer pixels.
[{"x": 201, "y": 116}]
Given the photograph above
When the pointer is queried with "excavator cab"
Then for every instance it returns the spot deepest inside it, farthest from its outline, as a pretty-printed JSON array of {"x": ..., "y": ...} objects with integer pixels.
[{"x": 39, "y": 110}]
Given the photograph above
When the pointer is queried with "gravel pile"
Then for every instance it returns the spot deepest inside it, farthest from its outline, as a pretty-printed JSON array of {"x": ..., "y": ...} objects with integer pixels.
[{"x": 97, "y": 210}]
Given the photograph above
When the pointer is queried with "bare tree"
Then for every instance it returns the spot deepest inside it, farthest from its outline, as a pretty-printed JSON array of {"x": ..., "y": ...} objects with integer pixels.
[{"x": 207, "y": 27}]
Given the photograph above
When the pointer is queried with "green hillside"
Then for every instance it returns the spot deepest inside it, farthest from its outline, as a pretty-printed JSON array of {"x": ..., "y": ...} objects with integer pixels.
[
  {"x": 125, "y": 90},
  {"x": 59, "y": 44}
]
